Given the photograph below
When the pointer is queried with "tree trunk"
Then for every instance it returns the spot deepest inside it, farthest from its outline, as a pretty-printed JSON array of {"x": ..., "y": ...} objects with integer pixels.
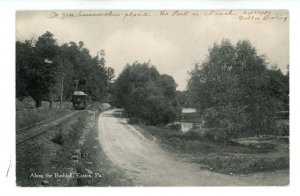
[
  {"x": 50, "y": 104},
  {"x": 38, "y": 103}
]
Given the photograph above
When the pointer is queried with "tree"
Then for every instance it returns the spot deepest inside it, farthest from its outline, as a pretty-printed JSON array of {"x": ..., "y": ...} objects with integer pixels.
[
  {"x": 147, "y": 95},
  {"x": 24, "y": 56},
  {"x": 41, "y": 64},
  {"x": 36, "y": 61},
  {"x": 133, "y": 76},
  {"x": 76, "y": 63},
  {"x": 232, "y": 89}
]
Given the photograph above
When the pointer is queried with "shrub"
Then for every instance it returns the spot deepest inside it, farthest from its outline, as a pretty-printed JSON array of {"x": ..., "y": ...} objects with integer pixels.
[{"x": 58, "y": 138}]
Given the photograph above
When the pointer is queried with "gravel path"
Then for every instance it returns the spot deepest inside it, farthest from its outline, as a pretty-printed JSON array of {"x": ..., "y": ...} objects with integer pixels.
[{"x": 147, "y": 164}]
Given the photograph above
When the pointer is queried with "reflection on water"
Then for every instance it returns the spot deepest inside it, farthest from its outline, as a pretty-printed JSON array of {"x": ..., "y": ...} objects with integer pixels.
[
  {"x": 186, "y": 126},
  {"x": 181, "y": 126}
]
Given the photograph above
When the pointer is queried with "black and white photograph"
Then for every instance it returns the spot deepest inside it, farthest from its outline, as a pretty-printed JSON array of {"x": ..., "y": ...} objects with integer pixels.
[{"x": 152, "y": 98}]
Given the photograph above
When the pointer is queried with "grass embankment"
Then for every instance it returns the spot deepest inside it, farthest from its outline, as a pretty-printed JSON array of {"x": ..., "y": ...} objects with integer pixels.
[
  {"x": 26, "y": 118},
  {"x": 27, "y": 115},
  {"x": 223, "y": 157},
  {"x": 36, "y": 158},
  {"x": 71, "y": 150}
]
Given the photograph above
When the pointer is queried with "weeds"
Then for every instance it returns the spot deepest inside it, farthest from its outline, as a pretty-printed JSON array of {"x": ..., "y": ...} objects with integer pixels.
[
  {"x": 25, "y": 118},
  {"x": 243, "y": 164},
  {"x": 226, "y": 157}
]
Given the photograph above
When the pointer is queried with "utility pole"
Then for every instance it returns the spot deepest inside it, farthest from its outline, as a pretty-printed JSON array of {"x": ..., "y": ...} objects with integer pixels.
[
  {"x": 76, "y": 82},
  {"x": 62, "y": 84},
  {"x": 61, "y": 90},
  {"x": 85, "y": 85}
]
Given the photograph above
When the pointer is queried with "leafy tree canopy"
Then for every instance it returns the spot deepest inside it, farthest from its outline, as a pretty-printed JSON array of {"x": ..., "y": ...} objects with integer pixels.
[
  {"x": 147, "y": 95},
  {"x": 233, "y": 89},
  {"x": 42, "y": 65}
]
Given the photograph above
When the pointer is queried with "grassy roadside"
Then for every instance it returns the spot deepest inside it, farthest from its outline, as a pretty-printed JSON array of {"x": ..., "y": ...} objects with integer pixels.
[
  {"x": 227, "y": 158},
  {"x": 69, "y": 155}
]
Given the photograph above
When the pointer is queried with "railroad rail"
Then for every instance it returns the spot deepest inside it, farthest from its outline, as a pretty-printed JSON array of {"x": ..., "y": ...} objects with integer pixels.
[
  {"x": 36, "y": 124},
  {"x": 38, "y": 129}
]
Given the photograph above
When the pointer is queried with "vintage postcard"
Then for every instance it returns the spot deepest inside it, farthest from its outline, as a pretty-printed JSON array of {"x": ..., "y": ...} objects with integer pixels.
[{"x": 152, "y": 98}]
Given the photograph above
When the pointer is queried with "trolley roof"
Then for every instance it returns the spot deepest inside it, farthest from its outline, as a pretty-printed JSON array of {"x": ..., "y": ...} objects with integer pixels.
[{"x": 79, "y": 93}]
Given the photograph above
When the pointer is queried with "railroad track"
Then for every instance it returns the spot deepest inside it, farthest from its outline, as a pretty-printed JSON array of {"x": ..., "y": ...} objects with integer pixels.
[
  {"x": 35, "y": 125},
  {"x": 28, "y": 133}
]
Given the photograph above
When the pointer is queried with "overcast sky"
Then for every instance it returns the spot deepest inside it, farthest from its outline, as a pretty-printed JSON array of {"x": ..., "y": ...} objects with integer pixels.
[{"x": 172, "y": 43}]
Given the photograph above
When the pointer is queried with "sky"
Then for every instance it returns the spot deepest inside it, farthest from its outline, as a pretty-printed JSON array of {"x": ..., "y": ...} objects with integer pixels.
[{"x": 171, "y": 40}]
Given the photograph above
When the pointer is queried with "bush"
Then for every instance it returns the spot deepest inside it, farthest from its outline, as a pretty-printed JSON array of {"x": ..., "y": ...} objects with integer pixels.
[{"x": 58, "y": 138}]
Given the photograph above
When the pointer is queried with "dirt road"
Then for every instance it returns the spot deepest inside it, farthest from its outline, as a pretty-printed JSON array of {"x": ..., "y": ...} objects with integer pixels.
[{"x": 147, "y": 164}]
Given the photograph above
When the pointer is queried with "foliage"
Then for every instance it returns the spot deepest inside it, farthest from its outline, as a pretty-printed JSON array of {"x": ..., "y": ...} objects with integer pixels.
[
  {"x": 36, "y": 67},
  {"x": 184, "y": 99},
  {"x": 146, "y": 94},
  {"x": 243, "y": 164},
  {"x": 234, "y": 90},
  {"x": 42, "y": 65}
]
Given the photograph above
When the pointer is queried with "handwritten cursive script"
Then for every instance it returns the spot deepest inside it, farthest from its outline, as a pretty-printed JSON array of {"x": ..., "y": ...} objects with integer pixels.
[{"x": 246, "y": 15}]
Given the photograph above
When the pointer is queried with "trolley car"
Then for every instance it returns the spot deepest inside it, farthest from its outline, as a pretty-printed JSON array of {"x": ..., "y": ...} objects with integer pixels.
[{"x": 79, "y": 100}]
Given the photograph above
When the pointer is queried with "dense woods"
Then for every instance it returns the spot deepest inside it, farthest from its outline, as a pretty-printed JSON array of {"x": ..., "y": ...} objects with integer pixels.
[{"x": 42, "y": 65}]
